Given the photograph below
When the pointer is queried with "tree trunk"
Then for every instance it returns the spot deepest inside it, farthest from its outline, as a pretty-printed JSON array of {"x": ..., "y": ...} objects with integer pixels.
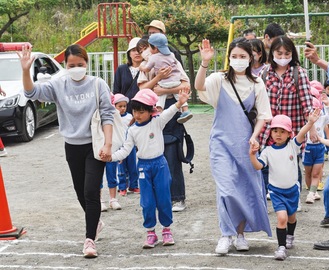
[{"x": 191, "y": 74}]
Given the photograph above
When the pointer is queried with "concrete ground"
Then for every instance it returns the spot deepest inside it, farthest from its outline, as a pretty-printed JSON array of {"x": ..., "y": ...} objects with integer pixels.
[{"x": 41, "y": 199}]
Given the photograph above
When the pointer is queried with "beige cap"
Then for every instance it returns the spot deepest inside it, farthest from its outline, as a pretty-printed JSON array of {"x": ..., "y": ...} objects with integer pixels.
[
  {"x": 133, "y": 43},
  {"x": 157, "y": 24}
]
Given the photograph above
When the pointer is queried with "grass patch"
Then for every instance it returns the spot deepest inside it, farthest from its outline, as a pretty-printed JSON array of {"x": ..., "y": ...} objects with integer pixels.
[{"x": 201, "y": 108}]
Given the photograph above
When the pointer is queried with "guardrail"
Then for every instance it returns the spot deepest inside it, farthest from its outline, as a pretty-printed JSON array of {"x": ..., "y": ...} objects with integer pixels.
[{"x": 101, "y": 63}]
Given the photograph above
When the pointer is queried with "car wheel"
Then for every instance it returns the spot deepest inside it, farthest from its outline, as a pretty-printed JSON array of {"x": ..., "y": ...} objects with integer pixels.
[{"x": 28, "y": 126}]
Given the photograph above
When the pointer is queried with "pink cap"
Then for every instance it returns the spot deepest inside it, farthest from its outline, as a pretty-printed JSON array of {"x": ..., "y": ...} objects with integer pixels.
[
  {"x": 316, "y": 103},
  {"x": 314, "y": 92},
  {"x": 118, "y": 98},
  {"x": 282, "y": 121},
  {"x": 146, "y": 96},
  {"x": 317, "y": 85}
]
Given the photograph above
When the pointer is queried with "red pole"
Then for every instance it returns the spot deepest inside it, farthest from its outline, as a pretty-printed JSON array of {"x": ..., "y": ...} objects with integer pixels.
[{"x": 115, "y": 53}]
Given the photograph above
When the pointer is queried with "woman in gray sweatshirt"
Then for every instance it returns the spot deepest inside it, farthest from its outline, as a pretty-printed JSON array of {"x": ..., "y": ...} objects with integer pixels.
[{"x": 74, "y": 96}]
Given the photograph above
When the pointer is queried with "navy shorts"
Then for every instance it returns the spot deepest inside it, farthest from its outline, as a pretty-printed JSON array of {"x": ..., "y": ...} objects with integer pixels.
[
  {"x": 313, "y": 154},
  {"x": 284, "y": 199}
]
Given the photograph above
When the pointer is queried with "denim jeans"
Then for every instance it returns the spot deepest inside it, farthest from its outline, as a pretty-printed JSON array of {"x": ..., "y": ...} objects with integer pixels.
[{"x": 326, "y": 198}]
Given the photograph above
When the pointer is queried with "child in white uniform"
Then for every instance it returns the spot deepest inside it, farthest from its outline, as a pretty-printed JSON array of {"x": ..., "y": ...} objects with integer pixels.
[
  {"x": 281, "y": 157},
  {"x": 154, "y": 174},
  {"x": 313, "y": 156}
]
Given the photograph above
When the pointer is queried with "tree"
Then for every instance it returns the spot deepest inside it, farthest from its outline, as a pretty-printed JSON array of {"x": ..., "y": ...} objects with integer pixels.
[
  {"x": 13, "y": 10},
  {"x": 186, "y": 25}
]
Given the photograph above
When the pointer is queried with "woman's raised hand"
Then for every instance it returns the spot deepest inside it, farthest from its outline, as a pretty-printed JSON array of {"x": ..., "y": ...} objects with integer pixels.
[
  {"x": 206, "y": 50},
  {"x": 25, "y": 57}
]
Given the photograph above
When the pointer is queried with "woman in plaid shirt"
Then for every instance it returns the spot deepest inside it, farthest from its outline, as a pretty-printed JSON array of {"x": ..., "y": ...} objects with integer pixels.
[{"x": 283, "y": 94}]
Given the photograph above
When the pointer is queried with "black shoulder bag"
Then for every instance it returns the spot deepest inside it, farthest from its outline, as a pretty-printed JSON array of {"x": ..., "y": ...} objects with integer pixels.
[{"x": 250, "y": 115}]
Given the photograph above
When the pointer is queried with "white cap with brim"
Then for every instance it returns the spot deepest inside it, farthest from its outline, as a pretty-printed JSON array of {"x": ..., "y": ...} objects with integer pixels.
[
  {"x": 133, "y": 43},
  {"x": 160, "y": 41}
]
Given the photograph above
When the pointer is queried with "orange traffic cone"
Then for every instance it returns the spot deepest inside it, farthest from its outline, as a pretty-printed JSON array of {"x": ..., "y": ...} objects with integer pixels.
[{"x": 7, "y": 231}]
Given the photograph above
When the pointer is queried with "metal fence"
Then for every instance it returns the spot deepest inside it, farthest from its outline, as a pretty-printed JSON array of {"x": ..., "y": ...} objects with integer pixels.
[{"x": 101, "y": 64}]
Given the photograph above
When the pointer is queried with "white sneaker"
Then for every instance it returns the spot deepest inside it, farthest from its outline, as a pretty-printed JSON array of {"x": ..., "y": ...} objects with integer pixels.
[
  {"x": 310, "y": 198},
  {"x": 114, "y": 204},
  {"x": 299, "y": 207},
  {"x": 289, "y": 241},
  {"x": 224, "y": 245},
  {"x": 103, "y": 207},
  {"x": 281, "y": 253},
  {"x": 100, "y": 227},
  {"x": 178, "y": 206},
  {"x": 241, "y": 243},
  {"x": 89, "y": 249},
  {"x": 317, "y": 196},
  {"x": 268, "y": 197},
  {"x": 3, "y": 152}
]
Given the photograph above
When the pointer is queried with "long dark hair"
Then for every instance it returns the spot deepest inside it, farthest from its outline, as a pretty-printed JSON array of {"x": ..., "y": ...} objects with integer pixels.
[
  {"x": 258, "y": 46},
  {"x": 246, "y": 46},
  {"x": 287, "y": 44}
]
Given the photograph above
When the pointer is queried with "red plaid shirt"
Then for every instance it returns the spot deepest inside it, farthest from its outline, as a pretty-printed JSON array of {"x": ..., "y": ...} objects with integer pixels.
[{"x": 284, "y": 99}]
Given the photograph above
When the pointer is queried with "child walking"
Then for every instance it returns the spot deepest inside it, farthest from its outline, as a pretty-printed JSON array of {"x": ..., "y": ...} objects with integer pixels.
[
  {"x": 281, "y": 157},
  {"x": 158, "y": 56},
  {"x": 127, "y": 169},
  {"x": 117, "y": 173},
  {"x": 313, "y": 156},
  {"x": 154, "y": 175}
]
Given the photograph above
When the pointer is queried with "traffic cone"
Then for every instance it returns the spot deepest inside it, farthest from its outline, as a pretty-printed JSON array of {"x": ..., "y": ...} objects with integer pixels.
[{"x": 7, "y": 231}]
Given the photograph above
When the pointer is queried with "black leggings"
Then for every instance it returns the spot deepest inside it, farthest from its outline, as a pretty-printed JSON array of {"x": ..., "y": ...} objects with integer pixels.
[{"x": 87, "y": 174}]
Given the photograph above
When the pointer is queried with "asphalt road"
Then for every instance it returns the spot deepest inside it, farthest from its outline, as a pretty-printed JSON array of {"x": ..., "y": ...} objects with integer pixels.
[{"x": 41, "y": 199}]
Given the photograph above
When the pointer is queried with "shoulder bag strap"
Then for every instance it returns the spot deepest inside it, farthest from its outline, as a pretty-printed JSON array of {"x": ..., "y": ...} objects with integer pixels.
[
  {"x": 132, "y": 83},
  {"x": 97, "y": 93},
  {"x": 241, "y": 103}
]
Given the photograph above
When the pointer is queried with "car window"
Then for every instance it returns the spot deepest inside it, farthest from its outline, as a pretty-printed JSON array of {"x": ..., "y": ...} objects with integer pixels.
[
  {"x": 46, "y": 62},
  {"x": 10, "y": 69}
]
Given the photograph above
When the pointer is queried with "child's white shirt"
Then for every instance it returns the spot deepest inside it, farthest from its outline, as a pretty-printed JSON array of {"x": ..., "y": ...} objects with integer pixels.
[
  {"x": 282, "y": 162},
  {"x": 148, "y": 137}
]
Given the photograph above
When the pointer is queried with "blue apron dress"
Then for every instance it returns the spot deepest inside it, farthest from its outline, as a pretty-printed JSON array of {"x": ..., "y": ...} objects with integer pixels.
[{"x": 239, "y": 187}]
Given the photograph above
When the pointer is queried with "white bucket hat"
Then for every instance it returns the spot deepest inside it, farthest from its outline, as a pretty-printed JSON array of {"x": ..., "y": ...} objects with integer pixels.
[{"x": 133, "y": 43}]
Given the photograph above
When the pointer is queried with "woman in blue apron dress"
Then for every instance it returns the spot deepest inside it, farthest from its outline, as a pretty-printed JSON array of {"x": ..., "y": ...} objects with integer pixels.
[{"x": 241, "y": 200}]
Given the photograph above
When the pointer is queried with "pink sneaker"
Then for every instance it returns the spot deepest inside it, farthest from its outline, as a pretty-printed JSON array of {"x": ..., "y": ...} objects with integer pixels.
[
  {"x": 151, "y": 240},
  {"x": 167, "y": 239},
  {"x": 89, "y": 249}
]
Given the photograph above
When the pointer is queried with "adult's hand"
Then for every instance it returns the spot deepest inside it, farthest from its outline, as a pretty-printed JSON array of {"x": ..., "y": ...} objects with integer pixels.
[
  {"x": 311, "y": 54},
  {"x": 164, "y": 72}
]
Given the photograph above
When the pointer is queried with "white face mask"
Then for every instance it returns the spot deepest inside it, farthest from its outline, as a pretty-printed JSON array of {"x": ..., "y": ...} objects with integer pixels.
[
  {"x": 239, "y": 65},
  {"x": 77, "y": 73},
  {"x": 282, "y": 62},
  {"x": 146, "y": 53}
]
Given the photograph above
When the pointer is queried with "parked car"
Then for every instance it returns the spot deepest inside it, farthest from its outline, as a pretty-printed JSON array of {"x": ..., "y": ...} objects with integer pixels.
[{"x": 20, "y": 116}]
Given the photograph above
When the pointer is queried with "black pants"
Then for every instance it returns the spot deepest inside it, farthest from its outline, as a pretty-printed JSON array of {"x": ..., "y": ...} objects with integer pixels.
[
  {"x": 177, "y": 188},
  {"x": 87, "y": 174}
]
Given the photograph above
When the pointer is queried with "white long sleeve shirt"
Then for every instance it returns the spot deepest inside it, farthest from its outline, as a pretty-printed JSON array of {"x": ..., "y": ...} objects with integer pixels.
[{"x": 147, "y": 137}]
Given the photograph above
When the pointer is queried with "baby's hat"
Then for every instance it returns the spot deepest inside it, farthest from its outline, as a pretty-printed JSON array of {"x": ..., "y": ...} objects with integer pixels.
[
  {"x": 118, "y": 98},
  {"x": 282, "y": 121},
  {"x": 146, "y": 96}
]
